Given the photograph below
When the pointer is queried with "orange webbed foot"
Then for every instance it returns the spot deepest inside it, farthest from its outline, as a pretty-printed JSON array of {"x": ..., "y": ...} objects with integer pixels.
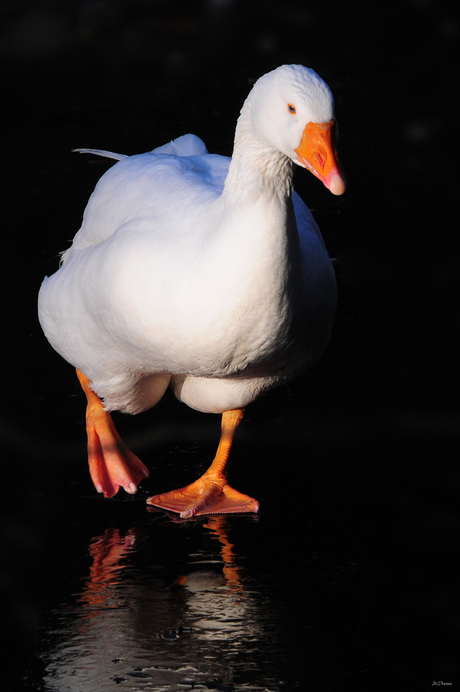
[{"x": 206, "y": 495}]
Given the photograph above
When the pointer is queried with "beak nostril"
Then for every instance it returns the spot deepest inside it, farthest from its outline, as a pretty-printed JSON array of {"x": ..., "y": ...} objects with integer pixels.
[{"x": 320, "y": 158}]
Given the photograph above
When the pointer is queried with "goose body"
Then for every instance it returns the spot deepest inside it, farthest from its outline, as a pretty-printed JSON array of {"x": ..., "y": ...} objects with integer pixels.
[{"x": 200, "y": 272}]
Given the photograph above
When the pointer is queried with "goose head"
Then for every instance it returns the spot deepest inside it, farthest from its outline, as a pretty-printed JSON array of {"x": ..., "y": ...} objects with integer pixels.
[{"x": 292, "y": 111}]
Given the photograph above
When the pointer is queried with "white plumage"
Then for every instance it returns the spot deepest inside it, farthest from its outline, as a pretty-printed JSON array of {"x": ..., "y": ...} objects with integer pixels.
[{"x": 201, "y": 272}]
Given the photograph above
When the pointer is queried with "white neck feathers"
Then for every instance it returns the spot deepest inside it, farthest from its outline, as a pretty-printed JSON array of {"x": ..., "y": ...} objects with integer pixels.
[{"x": 257, "y": 168}]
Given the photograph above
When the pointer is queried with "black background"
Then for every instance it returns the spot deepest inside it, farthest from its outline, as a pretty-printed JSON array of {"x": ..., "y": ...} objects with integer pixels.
[{"x": 383, "y": 402}]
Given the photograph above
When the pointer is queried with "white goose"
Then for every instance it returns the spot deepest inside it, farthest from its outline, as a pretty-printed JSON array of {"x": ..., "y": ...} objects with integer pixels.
[{"x": 201, "y": 273}]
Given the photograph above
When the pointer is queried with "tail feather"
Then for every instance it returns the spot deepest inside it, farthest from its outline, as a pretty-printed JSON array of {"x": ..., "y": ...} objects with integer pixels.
[{"x": 102, "y": 152}]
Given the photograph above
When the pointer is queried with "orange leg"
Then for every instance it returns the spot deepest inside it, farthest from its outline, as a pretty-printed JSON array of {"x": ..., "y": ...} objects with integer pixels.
[
  {"x": 210, "y": 494},
  {"x": 111, "y": 463}
]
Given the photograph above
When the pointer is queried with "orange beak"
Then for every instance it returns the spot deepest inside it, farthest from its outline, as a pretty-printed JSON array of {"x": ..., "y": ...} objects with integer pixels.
[{"x": 317, "y": 152}]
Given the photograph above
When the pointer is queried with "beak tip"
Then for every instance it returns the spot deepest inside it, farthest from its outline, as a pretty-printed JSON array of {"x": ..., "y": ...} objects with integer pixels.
[{"x": 336, "y": 183}]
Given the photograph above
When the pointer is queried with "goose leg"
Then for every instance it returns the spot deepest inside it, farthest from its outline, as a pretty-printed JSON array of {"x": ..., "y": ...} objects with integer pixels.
[
  {"x": 111, "y": 463},
  {"x": 210, "y": 494}
]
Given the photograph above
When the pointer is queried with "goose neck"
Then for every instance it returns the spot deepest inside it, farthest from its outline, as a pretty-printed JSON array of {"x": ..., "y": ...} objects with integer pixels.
[{"x": 257, "y": 169}]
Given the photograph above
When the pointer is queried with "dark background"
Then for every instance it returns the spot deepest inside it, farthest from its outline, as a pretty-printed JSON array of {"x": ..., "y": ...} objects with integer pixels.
[{"x": 379, "y": 415}]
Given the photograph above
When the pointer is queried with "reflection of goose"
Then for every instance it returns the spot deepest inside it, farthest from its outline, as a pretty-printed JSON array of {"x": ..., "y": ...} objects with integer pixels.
[
  {"x": 130, "y": 625},
  {"x": 217, "y": 603},
  {"x": 201, "y": 273},
  {"x": 107, "y": 552},
  {"x": 110, "y": 637},
  {"x": 231, "y": 568}
]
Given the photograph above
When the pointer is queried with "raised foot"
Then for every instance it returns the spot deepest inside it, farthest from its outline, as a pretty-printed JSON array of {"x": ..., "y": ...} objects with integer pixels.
[
  {"x": 205, "y": 496},
  {"x": 112, "y": 464}
]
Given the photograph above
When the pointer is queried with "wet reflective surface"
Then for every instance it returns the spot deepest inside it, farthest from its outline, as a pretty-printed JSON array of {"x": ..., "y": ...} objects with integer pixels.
[
  {"x": 348, "y": 577},
  {"x": 131, "y": 625},
  {"x": 225, "y": 603}
]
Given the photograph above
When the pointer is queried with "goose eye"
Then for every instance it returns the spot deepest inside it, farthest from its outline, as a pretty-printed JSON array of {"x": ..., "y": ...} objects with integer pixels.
[{"x": 291, "y": 109}]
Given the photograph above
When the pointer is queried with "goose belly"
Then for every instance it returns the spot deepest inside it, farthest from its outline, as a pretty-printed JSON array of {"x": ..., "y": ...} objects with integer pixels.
[{"x": 126, "y": 316}]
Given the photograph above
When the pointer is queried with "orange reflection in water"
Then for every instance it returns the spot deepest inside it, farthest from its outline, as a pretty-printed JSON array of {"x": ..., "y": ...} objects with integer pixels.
[
  {"x": 107, "y": 552},
  {"x": 136, "y": 618},
  {"x": 217, "y": 526}
]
